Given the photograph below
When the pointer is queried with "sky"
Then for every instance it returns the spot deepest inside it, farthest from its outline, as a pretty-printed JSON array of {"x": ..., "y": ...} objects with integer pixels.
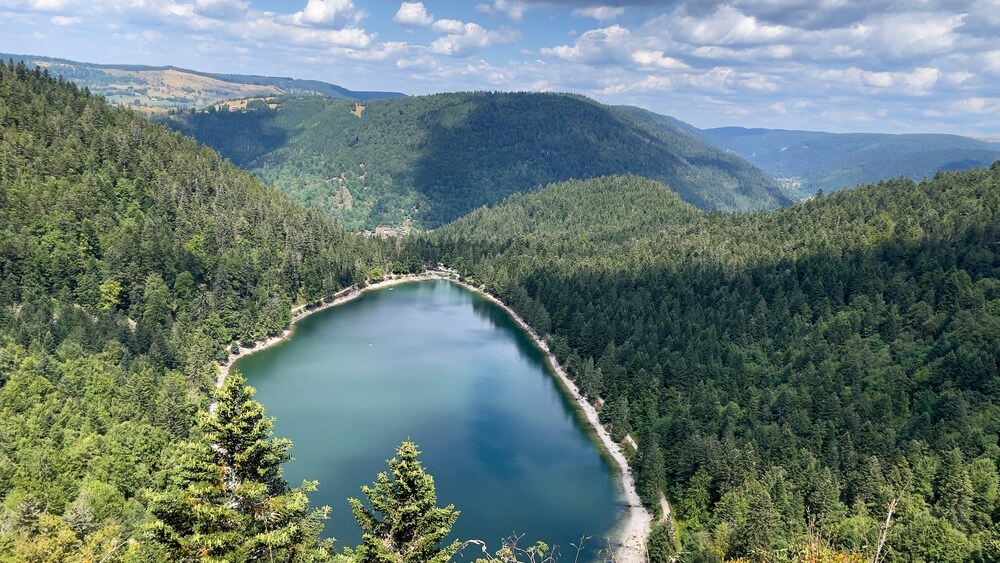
[{"x": 834, "y": 65}]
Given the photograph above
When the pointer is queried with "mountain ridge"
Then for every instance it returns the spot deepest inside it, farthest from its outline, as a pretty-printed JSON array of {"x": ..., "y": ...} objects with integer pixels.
[
  {"x": 431, "y": 159},
  {"x": 808, "y": 161},
  {"x": 157, "y": 89}
]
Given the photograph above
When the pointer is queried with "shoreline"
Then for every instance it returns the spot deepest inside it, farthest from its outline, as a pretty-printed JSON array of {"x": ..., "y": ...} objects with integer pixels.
[
  {"x": 631, "y": 534},
  {"x": 343, "y": 296},
  {"x": 637, "y": 526}
]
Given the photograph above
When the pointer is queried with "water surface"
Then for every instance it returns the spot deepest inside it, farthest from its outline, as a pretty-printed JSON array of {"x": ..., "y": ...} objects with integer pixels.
[{"x": 440, "y": 364}]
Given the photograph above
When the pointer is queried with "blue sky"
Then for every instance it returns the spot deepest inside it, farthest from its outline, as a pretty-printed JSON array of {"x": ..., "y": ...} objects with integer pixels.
[{"x": 835, "y": 65}]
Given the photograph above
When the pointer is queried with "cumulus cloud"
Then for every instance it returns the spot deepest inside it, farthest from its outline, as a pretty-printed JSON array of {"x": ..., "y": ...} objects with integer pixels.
[
  {"x": 918, "y": 81},
  {"x": 979, "y": 105},
  {"x": 464, "y": 39},
  {"x": 448, "y": 26},
  {"x": 326, "y": 12},
  {"x": 598, "y": 46},
  {"x": 514, "y": 9},
  {"x": 413, "y": 14},
  {"x": 656, "y": 59},
  {"x": 729, "y": 26}
]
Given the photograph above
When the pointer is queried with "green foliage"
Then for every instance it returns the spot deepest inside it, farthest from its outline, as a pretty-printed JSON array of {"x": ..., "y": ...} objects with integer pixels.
[
  {"x": 404, "y": 523},
  {"x": 805, "y": 363},
  {"x": 131, "y": 258},
  {"x": 662, "y": 543},
  {"x": 435, "y": 158},
  {"x": 227, "y": 499}
]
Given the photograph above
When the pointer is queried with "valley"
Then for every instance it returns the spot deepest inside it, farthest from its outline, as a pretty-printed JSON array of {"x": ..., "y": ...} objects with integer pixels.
[
  {"x": 431, "y": 159},
  {"x": 779, "y": 369},
  {"x": 810, "y": 161}
]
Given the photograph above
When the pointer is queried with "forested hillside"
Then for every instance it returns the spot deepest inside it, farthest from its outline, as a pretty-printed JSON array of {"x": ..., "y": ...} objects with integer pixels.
[
  {"x": 808, "y": 161},
  {"x": 132, "y": 259},
  {"x": 783, "y": 371},
  {"x": 431, "y": 159}
]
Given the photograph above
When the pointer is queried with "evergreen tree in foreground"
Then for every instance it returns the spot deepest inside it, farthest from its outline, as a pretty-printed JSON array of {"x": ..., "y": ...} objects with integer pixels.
[
  {"x": 404, "y": 523},
  {"x": 228, "y": 501}
]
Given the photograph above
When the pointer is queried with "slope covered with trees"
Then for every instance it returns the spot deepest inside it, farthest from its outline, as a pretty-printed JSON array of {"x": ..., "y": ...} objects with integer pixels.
[
  {"x": 434, "y": 158},
  {"x": 803, "y": 365},
  {"x": 131, "y": 259},
  {"x": 809, "y": 161}
]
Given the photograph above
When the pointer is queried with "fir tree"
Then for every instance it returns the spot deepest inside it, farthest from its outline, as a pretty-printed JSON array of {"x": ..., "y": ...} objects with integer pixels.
[
  {"x": 228, "y": 500},
  {"x": 404, "y": 523}
]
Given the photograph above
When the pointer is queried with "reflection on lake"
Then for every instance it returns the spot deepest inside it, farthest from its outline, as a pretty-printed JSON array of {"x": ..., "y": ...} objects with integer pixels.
[{"x": 442, "y": 365}]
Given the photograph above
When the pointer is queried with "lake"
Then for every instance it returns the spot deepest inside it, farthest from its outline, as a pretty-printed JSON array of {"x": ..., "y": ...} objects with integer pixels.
[{"x": 442, "y": 365}]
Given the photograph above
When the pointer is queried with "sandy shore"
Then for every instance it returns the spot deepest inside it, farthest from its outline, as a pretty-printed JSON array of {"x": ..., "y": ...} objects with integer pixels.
[{"x": 632, "y": 534}]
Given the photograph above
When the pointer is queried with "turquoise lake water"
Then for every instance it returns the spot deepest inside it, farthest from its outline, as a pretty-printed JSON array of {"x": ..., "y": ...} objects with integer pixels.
[{"x": 442, "y": 365}]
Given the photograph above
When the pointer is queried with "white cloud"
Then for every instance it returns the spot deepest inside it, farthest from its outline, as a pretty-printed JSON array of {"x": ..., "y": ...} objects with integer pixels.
[
  {"x": 729, "y": 26},
  {"x": 449, "y": 26},
  {"x": 911, "y": 34},
  {"x": 49, "y": 5},
  {"x": 597, "y": 46},
  {"x": 64, "y": 21},
  {"x": 982, "y": 18},
  {"x": 991, "y": 60},
  {"x": 978, "y": 105},
  {"x": 600, "y": 13},
  {"x": 372, "y": 54},
  {"x": 413, "y": 13},
  {"x": 467, "y": 38},
  {"x": 916, "y": 82},
  {"x": 514, "y": 9},
  {"x": 656, "y": 59},
  {"x": 325, "y": 12}
]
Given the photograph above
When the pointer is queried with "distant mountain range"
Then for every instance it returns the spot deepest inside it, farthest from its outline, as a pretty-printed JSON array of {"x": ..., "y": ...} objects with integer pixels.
[
  {"x": 157, "y": 89},
  {"x": 468, "y": 150},
  {"x": 431, "y": 159},
  {"x": 807, "y": 161}
]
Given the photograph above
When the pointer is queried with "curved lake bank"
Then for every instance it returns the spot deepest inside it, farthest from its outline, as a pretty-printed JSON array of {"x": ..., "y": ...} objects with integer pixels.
[{"x": 445, "y": 366}]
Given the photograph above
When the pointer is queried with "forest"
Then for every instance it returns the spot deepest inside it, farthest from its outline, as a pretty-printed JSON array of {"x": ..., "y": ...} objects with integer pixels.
[
  {"x": 132, "y": 261},
  {"x": 786, "y": 372},
  {"x": 789, "y": 374},
  {"x": 432, "y": 159}
]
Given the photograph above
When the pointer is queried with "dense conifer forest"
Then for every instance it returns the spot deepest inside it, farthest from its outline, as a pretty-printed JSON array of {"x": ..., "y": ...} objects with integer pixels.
[
  {"x": 132, "y": 259},
  {"x": 432, "y": 159},
  {"x": 782, "y": 370},
  {"x": 789, "y": 375}
]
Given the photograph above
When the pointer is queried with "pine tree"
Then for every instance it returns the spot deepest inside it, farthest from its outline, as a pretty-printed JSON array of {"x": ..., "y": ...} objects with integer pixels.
[
  {"x": 228, "y": 499},
  {"x": 955, "y": 493},
  {"x": 404, "y": 523},
  {"x": 662, "y": 544},
  {"x": 651, "y": 474}
]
